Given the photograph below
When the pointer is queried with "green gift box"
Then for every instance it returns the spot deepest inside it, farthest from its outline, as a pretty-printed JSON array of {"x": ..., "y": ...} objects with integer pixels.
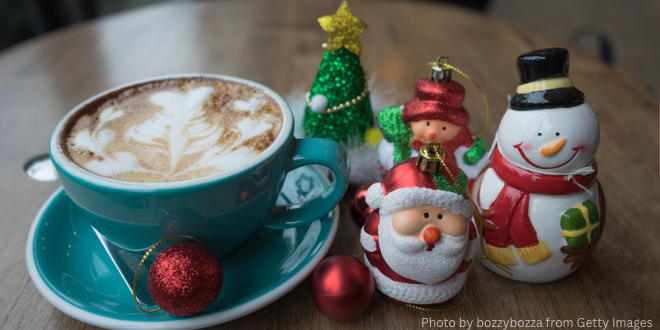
[{"x": 581, "y": 224}]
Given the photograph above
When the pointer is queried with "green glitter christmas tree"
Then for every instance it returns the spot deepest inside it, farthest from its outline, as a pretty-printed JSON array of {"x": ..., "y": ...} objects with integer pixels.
[{"x": 338, "y": 106}]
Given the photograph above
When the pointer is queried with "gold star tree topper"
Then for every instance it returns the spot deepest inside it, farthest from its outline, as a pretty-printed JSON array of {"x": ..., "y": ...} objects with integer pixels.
[{"x": 344, "y": 30}]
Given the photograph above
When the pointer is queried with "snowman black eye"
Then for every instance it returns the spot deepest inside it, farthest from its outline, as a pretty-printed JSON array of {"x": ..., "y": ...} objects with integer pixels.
[
  {"x": 428, "y": 123},
  {"x": 444, "y": 128},
  {"x": 539, "y": 134},
  {"x": 426, "y": 214},
  {"x": 440, "y": 216},
  {"x": 557, "y": 134}
]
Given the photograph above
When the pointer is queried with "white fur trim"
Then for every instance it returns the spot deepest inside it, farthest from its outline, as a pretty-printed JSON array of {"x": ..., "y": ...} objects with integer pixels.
[
  {"x": 405, "y": 198},
  {"x": 417, "y": 293},
  {"x": 375, "y": 196},
  {"x": 407, "y": 256},
  {"x": 368, "y": 241}
]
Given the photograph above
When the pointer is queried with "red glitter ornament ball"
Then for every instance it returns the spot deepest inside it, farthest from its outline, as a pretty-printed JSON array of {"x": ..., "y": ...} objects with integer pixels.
[
  {"x": 342, "y": 287},
  {"x": 185, "y": 279}
]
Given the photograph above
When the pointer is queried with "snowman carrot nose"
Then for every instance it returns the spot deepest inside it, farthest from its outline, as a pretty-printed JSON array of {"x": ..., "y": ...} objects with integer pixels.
[
  {"x": 431, "y": 235},
  {"x": 552, "y": 148}
]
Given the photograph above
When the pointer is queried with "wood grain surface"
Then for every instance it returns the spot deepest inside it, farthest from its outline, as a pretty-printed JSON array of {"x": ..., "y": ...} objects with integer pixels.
[{"x": 277, "y": 43}]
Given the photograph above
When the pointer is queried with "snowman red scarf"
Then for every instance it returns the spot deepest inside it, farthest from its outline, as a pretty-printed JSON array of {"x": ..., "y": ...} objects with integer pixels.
[{"x": 509, "y": 210}]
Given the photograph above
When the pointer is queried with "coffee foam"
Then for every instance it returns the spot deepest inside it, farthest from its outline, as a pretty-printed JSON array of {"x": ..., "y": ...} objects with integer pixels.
[{"x": 172, "y": 130}]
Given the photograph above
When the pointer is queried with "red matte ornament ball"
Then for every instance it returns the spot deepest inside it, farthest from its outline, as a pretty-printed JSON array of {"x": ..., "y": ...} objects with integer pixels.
[
  {"x": 342, "y": 287},
  {"x": 185, "y": 279}
]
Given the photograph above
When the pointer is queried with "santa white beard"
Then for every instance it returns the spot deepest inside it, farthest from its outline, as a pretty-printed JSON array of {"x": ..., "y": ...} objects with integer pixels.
[{"x": 410, "y": 258}]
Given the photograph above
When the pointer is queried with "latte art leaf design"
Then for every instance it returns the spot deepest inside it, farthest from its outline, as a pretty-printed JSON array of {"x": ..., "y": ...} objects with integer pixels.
[
  {"x": 177, "y": 139},
  {"x": 179, "y": 129}
]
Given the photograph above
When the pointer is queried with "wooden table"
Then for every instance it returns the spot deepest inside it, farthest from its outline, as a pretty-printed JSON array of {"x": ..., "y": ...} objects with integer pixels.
[{"x": 278, "y": 43}]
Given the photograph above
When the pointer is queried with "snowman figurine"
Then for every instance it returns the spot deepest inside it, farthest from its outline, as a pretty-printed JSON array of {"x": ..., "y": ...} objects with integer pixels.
[{"x": 543, "y": 208}]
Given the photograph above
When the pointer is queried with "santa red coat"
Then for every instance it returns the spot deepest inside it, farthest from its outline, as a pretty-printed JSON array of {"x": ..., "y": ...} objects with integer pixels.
[{"x": 406, "y": 290}]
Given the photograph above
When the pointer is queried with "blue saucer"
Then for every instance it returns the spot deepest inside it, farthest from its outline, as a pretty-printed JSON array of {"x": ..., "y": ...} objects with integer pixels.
[{"x": 71, "y": 269}]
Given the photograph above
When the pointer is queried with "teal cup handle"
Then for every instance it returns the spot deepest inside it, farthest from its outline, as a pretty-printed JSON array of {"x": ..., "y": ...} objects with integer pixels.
[{"x": 323, "y": 152}]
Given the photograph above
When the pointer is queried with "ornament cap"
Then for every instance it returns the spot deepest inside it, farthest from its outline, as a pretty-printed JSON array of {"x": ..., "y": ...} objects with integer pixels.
[
  {"x": 431, "y": 156},
  {"x": 439, "y": 70}
]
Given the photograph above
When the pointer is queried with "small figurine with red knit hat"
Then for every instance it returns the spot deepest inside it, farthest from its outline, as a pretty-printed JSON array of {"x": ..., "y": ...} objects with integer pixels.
[
  {"x": 419, "y": 240},
  {"x": 436, "y": 113}
]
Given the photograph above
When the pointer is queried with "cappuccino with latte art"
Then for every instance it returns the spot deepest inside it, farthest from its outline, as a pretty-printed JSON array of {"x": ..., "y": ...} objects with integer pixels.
[{"x": 172, "y": 130}]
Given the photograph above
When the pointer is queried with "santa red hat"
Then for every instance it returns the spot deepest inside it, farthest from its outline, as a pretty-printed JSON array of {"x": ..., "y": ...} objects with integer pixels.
[
  {"x": 437, "y": 101},
  {"x": 406, "y": 186}
]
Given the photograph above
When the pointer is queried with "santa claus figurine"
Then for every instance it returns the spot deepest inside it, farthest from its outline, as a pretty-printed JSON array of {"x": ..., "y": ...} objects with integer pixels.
[
  {"x": 542, "y": 205},
  {"x": 436, "y": 113},
  {"x": 419, "y": 241}
]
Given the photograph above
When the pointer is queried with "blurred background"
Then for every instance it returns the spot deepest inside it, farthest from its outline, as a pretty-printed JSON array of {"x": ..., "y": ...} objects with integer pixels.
[{"x": 624, "y": 34}]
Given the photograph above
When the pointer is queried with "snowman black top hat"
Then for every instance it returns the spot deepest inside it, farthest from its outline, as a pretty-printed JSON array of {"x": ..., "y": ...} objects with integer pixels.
[{"x": 544, "y": 81}]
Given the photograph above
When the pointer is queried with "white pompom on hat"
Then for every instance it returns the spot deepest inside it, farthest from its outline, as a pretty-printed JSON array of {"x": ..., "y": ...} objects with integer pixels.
[{"x": 375, "y": 195}]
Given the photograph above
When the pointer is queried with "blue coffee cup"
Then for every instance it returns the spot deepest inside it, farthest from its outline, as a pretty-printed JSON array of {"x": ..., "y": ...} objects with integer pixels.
[{"x": 222, "y": 210}]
